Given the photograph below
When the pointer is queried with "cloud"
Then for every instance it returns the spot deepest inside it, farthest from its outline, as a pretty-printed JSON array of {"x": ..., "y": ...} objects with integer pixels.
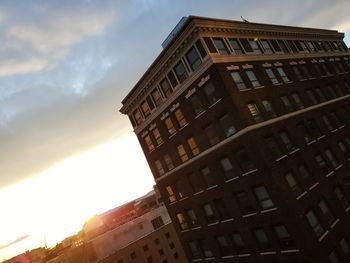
[
  {"x": 17, "y": 240},
  {"x": 38, "y": 44}
]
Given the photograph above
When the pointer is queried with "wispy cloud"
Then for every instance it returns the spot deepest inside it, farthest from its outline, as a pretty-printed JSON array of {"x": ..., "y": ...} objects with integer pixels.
[{"x": 17, "y": 240}]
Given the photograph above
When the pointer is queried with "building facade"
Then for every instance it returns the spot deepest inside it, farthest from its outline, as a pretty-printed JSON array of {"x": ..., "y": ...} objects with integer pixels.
[{"x": 245, "y": 127}]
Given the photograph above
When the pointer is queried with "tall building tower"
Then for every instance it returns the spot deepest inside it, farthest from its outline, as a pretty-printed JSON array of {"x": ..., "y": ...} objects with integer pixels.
[{"x": 246, "y": 128}]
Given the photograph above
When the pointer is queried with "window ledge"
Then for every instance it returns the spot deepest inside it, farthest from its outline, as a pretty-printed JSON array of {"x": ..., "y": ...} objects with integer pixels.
[
  {"x": 329, "y": 174},
  {"x": 268, "y": 210},
  {"x": 232, "y": 179},
  {"x": 207, "y": 259},
  {"x": 347, "y": 209},
  {"x": 198, "y": 192},
  {"x": 249, "y": 215},
  {"x": 227, "y": 220},
  {"x": 172, "y": 203},
  {"x": 244, "y": 255},
  {"x": 335, "y": 222},
  {"x": 195, "y": 228},
  {"x": 259, "y": 87},
  {"x": 281, "y": 158},
  {"x": 228, "y": 256},
  {"x": 290, "y": 251},
  {"x": 268, "y": 253},
  {"x": 338, "y": 167},
  {"x": 278, "y": 84},
  {"x": 313, "y": 141},
  {"x": 314, "y": 185},
  {"x": 200, "y": 114},
  {"x": 172, "y": 135},
  {"x": 183, "y": 126},
  {"x": 333, "y": 131},
  {"x": 196, "y": 259},
  {"x": 216, "y": 102},
  {"x": 212, "y": 187},
  {"x": 250, "y": 172},
  {"x": 184, "y": 198},
  {"x": 341, "y": 127},
  {"x": 323, "y": 236},
  {"x": 294, "y": 151},
  {"x": 213, "y": 224},
  {"x": 301, "y": 195},
  {"x": 321, "y": 137},
  {"x": 185, "y": 230}
]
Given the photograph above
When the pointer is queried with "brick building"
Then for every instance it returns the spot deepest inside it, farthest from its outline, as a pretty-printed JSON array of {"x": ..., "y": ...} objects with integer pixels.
[{"x": 245, "y": 127}]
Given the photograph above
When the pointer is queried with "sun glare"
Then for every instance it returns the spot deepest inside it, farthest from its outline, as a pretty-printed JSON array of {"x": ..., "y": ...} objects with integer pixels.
[{"x": 55, "y": 204}]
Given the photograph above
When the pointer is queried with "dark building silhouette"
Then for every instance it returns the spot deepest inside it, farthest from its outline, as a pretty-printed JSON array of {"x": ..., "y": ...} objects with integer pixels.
[{"x": 246, "y": 129}]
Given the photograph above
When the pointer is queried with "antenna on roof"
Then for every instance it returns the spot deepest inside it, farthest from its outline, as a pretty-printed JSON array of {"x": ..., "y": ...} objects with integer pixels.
[{"x": 245, "y": 20}]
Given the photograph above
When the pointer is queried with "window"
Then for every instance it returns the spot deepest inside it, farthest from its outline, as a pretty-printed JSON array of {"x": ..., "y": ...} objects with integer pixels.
[
  {"x": 287, "y": 104},
  {"x": 298, "y": 74},
  {"x": 244, "y": 161},
  {"x": 266, "y": 45},
  {"x": 333, "y": 257},
  {"x": 322, "y": 163},
  {"x": 238, "y": 80},
  {"x": 182, "y": 188},
  {"x": 195, "y": 250},
  {"x": 341, "y": 197},
  {"x": 193, "y": 58},
  {"x": 211, "y": 134},
  {"x": 210, "y": 93},
  {"x": 293, "y": 184},
  {"x": 193, "y": 221},
  {"x": 312, "y": 97},
  {"x": 165, "y": 86},
  {"x": 137, "y": 116},
  {"x": 182, "y": 153},
  {"x": 149, "y": 143},
  {"x": 311, "y": 46},
  {"x": 227, "y": 126},
  {"x": 273, "y": 148},
  {"x": 161, "y": 252},
  {"x": 297, "y": 100},
  {"x": 305, "y": 175},
  {"x": 270, "y": 112},
  {"x": 145, "y": 248},
  {"x": 197, "y": 104},
  {"x": 237, "y": 241},
  {"x": 283, "y": 75},
  {"x": 193, "y": 146},
  {"x": 330, "y": 156},
  {"x": 201, "y": 48},
  {"x": 172, "y": 79},
  {"x": 157, "y": 222},
  {"x": 255, "y": 46},
  {"x": 149, "y": 259},
  {"x": 328, "y": 123},
  {"x": 326, "y": 212},
  {"x": 263, "y": 197},
  {"x": 303, "y": 46},
  {"x": 156, "y": 97},
  {"x": 206, "y": 248},
  {"x": 157, "y": 241},
  {"x": 313, "y": 127},
  {"x": 272, "y": 76},
  {"x": 304, "y": 132},
  {"x": 133, "y": 255},
  {"x": 159, "y": 167},
  {"x": 180, "y": 72},
  {"x": 171, "y": 194},
  {"x": 253, "y": 80},
  {"x": 196, "y": 182},
  {"x": 344, "y": 245},
  {"x": 222, "y": 209},
  {"x": 282, "y": 235},
  {"x": 227, "y": 167},
  {"x": 320, "y": 94},
  {"x": 170, "y": 126},
  {"x": 244, "y": 203},
  {"x": 343, "y": 148},
  {"x": 286, "y": 141},
  {"x": 207, "y": 176},
  {"x": 157, "y": 136},
  {"x": 120, "y": 261},
  {"x": 223, "y": 245},
  {"x": 180, "y": 118},
  {"x": 236, "y": 46},
  {"x": 209, "y": 213},
  {"x": 145, "y": 109},
  {"x": 262, "y": 238},
  {"x": 220, "y": 46},
  {"x": 182, "y": 221},
  {"x": 314, "y": 223},
  {"x": 283, "y": 46},
  {"x": 168, "y": 161},
  {"x": 254, "y": 111}
]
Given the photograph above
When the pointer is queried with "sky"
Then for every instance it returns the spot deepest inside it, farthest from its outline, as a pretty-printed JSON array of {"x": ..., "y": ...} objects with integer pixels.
[{"x": 66, "y": 153}]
